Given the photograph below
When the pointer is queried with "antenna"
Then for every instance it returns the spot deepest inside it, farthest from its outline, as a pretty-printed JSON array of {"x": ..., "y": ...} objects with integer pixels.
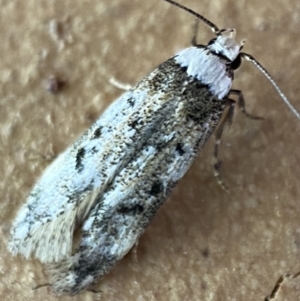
[
  {"x": 243, "y": 55},
  {"x": 251, "y": 59},
  {"x": 212, "y": 26}
]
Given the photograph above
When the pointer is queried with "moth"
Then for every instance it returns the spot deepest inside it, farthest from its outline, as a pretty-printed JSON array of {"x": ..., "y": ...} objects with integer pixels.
[{"x": 112, "y": 180}]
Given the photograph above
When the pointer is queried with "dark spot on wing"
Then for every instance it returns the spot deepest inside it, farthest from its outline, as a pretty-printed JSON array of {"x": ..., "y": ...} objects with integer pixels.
[
  {"x": 179, "y": 149},
  {"x": 156, "y": 188},
  {"x": 133, "y": 123},
  {"x": 136, "y": 123},
  {"x": 131, "y": 101},
  {"x": 94, "y": 150},
  {"x": 79, "y": 158},
  {"x": 97, "y": 132},
  {"x": 131, "y": 209}
]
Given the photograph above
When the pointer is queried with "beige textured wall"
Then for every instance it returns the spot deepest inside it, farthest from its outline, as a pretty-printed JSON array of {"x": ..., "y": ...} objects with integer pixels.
[{"x": 203, "y": 244}]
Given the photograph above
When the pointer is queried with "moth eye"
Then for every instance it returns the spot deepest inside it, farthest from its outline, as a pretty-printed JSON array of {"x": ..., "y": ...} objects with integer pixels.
[{"x": 236, "y": 63}]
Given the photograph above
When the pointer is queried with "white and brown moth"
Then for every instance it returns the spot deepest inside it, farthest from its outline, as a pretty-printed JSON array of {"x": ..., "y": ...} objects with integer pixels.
[{"x": 113, "y": 179}]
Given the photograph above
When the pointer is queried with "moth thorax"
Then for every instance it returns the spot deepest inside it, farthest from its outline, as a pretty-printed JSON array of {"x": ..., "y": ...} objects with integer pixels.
[{"x": 226, "y": 45}]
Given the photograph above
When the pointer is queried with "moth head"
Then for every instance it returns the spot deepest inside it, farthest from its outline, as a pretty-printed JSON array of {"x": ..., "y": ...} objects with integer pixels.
[{"x": 226, "y": 45}]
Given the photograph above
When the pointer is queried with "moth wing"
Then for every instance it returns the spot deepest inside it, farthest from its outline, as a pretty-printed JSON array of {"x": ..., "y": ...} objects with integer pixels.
[
  {"x": 77, "y": 179},
  {"x": 114, "y": 225}
]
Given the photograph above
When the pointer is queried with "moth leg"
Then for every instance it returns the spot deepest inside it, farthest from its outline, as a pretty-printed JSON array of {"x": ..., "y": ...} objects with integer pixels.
[
  {"x": 41, "y": 285},
  {"x": 195, "y": 32},
  {"x": 241, "y": 104},
  {"x": 94, "y": 291},
  {"x": 226, "y": 120},
  {"x": 119, "y": 84},
  {"x": 279, "y": 284},
  {"x": 90, "y": 290},
  {"x": 134, "y": 251}
]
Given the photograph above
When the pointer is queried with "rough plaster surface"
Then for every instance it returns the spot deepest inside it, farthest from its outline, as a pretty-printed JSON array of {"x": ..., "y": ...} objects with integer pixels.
[{"x": 204, "y": 244}]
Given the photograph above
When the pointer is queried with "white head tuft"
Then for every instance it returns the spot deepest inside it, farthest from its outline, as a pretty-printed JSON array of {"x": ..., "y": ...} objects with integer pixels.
[{"x": 226, "y": 45}]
